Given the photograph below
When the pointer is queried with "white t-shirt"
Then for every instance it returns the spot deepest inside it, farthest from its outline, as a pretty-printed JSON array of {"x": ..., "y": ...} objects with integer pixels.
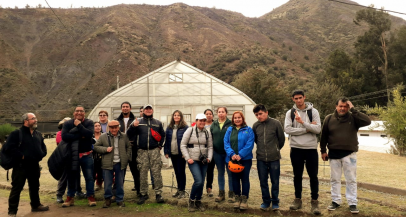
[{"x": 125, "y": 124}]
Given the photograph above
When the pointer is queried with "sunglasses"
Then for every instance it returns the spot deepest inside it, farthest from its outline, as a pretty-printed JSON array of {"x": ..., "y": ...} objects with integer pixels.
[{"x": 102, "y": 115}]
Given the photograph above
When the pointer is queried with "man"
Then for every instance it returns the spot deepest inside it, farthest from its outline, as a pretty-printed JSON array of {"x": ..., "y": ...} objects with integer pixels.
[
  {"x": 151, "y": 136},
  {"x": 141, "y": 108},
  {"x": 303, "y": 143},
  {"x": 115, "y": 148},
  {"x": 269, "y": 138},
  {"x": 339, "y": 134},
  {"x": 104, "y": 120},
  {"x": 126, "y": 117},
  {"x": 29, "y": 151},
  {"x": 79, "y": 132}
]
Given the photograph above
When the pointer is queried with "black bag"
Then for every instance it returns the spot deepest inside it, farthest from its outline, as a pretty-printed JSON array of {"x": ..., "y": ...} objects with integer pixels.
[{"x": 7, "y": 161}]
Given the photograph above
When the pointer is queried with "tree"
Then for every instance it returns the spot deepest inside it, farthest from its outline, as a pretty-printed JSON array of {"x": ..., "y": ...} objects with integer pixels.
[
  {"x": 371, "y": 48},
  {"x": 27, "y": 6},
  {"x": 263, "y": 88},
  {"x": 397, "y": 54},
  {"x": 394, "y": 117}
]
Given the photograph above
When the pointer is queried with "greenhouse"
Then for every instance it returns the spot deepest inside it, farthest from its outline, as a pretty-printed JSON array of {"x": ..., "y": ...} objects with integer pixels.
[{"x": 177, "y": 86}]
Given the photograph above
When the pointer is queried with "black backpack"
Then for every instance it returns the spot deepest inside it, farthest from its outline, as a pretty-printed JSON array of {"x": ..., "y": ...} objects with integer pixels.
[
  {"x": 309, "y": 114},
  {"x": 7, "y": 161}
]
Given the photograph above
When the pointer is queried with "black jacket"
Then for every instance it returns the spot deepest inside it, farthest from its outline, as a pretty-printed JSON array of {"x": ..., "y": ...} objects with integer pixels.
[
  {"x": 60, "y": 158},
  {"x": 120, "y": 119},
  {"x": 82, "y": 133},
  {"x": 32, "y": 146},
  {"x": 142, "y": 133}
]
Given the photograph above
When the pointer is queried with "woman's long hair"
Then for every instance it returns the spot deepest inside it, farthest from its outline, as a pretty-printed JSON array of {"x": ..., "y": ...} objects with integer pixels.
[{"x": 182, "y": 122}]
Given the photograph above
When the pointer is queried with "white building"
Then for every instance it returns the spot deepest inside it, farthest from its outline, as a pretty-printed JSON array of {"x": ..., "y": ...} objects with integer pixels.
[{"x": 373, "y": 138}]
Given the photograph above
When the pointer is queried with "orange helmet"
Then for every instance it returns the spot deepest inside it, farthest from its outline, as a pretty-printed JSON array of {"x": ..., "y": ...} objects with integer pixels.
[{"x": 235, "y": 167}]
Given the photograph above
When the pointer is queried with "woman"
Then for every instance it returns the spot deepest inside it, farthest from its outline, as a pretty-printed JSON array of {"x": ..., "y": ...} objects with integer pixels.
[
  {"x": 174, "y": 135},
  {"x": 197, "y": 148},
  {"x": 218, "y": 130},
  {"x": 210, "y": 167},
  {"x": 238, "y": 143},
  {"x": 98, "y": 172}
]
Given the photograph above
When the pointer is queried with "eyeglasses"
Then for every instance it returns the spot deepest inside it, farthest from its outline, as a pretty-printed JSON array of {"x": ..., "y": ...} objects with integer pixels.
[
  {"x": 102, "y": 115},
  {"x": 32, "y": 119},
  {"x": 79, "y": 111}
]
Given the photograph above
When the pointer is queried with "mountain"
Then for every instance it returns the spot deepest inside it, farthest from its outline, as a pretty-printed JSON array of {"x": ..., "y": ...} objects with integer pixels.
[{"x": 50, "y": 63}]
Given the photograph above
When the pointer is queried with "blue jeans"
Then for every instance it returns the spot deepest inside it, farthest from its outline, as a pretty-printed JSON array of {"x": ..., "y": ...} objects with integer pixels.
[
  {"x": 86, "y": 163},
  {"x": 198, "y": 171},
  {"x": 273, "y": 168},
  {"x": 242, "y": 179},
  {"x": 118, "y": 174},
  {"x": 220, "y": 160}
]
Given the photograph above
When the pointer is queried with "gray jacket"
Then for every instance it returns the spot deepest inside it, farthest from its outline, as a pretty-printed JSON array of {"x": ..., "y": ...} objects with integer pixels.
[
  {"x": 299, "y": 137},
  {"x": 269, "y": 138},
  {"x": 193, "y": 151},
  {"x": 124, "y": 147}
]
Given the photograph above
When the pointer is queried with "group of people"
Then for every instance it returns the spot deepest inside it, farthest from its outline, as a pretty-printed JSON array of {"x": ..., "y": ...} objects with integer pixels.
[{"x": 103, "y": 149}]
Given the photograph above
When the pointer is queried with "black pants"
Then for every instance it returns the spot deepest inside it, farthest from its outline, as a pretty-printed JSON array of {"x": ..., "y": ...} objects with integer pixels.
[
  {"x": 179, "y": 166},
  {"x": 310, "y": 158},
  {"x": 98, "y": 171},
  {"x": 134, "y": 170},
  {"x": 25, "y": 171},
  {"x": 210, "y": 174},
  {"x": 63, "y": 183}
]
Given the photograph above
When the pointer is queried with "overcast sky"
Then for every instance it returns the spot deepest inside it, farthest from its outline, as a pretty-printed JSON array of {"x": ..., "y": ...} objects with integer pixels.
[{"x": 249, "y": 8}]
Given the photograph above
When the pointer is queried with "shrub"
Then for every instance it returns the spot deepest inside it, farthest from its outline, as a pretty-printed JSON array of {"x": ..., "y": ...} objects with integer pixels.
[
  {"x": 306, "y": 57},
  {"x": 5, "y": 129},
  {"x": 290, "y": 48},
  {"x": 284, "y": 57}
]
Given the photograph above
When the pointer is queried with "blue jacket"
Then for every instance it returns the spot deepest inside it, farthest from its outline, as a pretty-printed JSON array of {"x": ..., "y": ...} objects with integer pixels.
[
  {"x": 246, "y": 138},
  {"x": 168, "y": 139}
]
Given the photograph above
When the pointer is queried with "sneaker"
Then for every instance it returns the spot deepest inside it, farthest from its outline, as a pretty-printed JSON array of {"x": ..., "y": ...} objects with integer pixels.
[
  {"x": 182, "y": 194},
  {"x": 159, "y": 198},
  {"x": 296, "y": 204},
  {"x": 107, "y": 203},
  {"x": 275, "y": 206},
  {"x": 353, "y": 209},
  {"x": 333, "y": 206},
  {"x": 191, "y": 206},
  {"x": 199, "y": 205},
  {"x": 265, "y": 206},
  {"x": 80, "y": 195},
  {"x": 209, "y": 192},
  {"x": 315, "y": 207},
  {"x": 40, "y": 208},
  {"x": 121, "y": 204},
  {"x": 70, "y": 201},
  {"x": 142, "y": 199},
  {"x": 91, "y": 200},
  {"x": 59, "y": 199},
  {"x": 176, "y": 194}
]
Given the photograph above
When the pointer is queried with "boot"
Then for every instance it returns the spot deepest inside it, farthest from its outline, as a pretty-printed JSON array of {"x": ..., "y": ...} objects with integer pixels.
[
  {"x": 237, "y": 202},
  {"x": 121, "y": 204},
  {"x": 142, "y": 199},
  {"x": 221, "y": 197},
  {"x": 91, "y": 200},
  {"x": 315, "y": 207},
  {"x": 159, "y": 198},
  {"x": 199, "y": 205},
  {"x": 244, "y": 203},
  {"x": 107, "y": 203},
  {"x": 191, "y": 206},
  {"x": 68, "y": 202},
  {"x": 231, "y": 197},
  {"x": 176, "y": 194},
  {"x": 297, "y": 204},
  {"x": 59, "y": 199}
]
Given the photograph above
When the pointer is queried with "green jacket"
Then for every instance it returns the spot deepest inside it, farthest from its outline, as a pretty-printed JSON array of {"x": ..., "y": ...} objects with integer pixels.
[
  {"x": 218, "y": 135},
  {"x": 124, "y": 147}
]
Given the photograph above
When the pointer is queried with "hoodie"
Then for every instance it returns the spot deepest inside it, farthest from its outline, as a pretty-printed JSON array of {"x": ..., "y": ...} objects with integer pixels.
[{"x": 303, "y": 135}]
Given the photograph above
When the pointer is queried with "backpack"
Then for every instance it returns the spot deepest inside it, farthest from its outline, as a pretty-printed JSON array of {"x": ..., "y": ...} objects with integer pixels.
[
  {"x": 309, "y": 114},
  {"x": 7, "y": 161}
]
